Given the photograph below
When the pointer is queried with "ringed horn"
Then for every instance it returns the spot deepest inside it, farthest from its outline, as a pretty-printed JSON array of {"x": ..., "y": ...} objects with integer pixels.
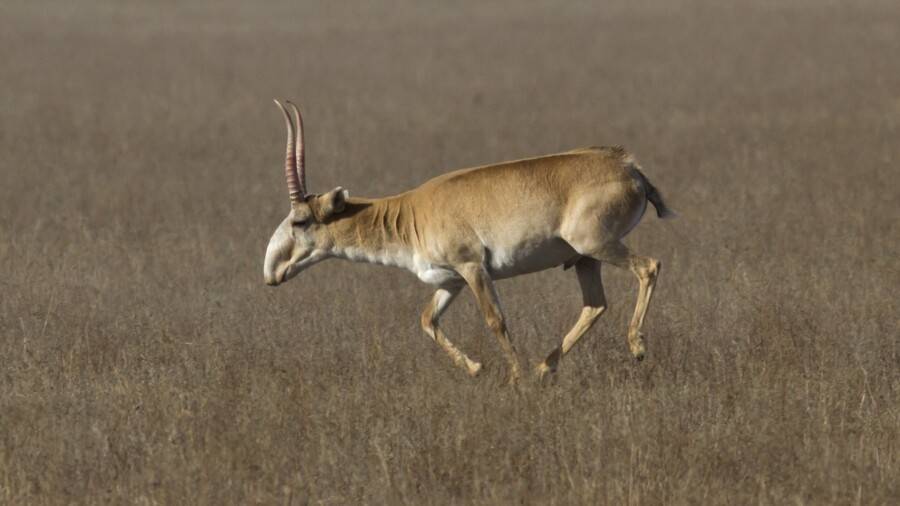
[{"x": 294, "y": 163}]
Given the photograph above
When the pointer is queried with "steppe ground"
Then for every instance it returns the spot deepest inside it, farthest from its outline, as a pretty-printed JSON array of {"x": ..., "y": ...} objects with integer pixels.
[{"x": 143, "y": 360}]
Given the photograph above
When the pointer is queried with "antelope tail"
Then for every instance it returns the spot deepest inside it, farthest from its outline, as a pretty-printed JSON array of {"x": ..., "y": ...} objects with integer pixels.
[{"x": 655, "y": 198}]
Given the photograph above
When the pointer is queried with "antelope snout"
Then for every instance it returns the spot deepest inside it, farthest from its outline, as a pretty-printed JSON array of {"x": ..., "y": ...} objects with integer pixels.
[
  {"x": 277, "y": 255},
  {"x": 271, "y": 271}
]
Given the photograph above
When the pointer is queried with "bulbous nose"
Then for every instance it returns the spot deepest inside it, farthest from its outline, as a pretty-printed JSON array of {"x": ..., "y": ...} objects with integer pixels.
[
  {"x": 278, "y": 255},
  {"x": 270, "y": 271}
]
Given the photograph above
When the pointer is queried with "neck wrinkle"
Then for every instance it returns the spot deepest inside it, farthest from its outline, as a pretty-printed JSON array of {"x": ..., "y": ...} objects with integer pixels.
[{"x": 372, "y": 230}]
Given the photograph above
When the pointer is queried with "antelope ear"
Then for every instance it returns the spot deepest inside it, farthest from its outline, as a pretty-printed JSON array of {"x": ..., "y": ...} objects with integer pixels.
[{"x": 333, "y": 202}]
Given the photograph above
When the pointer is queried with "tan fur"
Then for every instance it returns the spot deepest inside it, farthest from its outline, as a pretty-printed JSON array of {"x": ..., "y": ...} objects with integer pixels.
[{"x": 472, "y": 226}]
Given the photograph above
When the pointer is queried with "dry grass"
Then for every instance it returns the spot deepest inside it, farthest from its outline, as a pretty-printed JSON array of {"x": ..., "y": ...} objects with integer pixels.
[{"x": 144, "y": 361}]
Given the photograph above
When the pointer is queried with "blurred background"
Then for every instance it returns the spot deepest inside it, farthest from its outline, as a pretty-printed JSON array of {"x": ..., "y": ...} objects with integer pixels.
[{"x": 144, "y": 361}]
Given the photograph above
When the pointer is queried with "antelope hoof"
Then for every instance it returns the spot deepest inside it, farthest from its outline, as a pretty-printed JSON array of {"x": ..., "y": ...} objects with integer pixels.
[
  {"x": 550, "y": 363},
  {"x": 473, "y": 368},
  {"x": 514, "y": 377},
  {"x": 543, "y": 370},
  {"x": 546, "y": 373},
  {"x": 636, "y": 344}
]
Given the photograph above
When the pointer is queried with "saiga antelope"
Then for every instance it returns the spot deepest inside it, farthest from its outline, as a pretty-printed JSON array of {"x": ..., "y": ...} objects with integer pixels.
[{"x": 473, "y": 226}]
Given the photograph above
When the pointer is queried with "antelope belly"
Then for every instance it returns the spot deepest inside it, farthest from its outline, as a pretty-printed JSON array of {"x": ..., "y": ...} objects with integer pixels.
[{"x": 507, "y": 261}]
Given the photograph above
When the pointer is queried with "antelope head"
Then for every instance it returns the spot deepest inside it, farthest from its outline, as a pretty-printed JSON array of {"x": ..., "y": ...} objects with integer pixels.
[{"x": 303, "y": 238}]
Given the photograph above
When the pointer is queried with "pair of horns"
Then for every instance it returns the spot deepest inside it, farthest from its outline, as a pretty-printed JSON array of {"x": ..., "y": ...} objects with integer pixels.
[{"x": 294, "y": 166}]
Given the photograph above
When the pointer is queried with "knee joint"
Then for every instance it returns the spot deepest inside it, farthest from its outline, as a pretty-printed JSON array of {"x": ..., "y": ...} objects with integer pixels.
[
  {"x": 650, "y": 270},
  {"x": 428, "y": 321},
  {"x": 596, "y": 311},
  {"x": 496, "y": 324}
]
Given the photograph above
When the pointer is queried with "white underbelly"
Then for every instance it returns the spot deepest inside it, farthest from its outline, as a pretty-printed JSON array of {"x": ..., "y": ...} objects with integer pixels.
[
  {"x": 437, "y": 276},
  {"x": 502, "y": 261},
  {"x": 508, "y": 261}
]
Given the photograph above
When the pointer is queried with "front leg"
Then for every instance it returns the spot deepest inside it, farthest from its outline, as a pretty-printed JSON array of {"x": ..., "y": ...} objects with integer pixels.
[
  {"x": 430, "y": 318},
  {"x": 482, "y": 286}
]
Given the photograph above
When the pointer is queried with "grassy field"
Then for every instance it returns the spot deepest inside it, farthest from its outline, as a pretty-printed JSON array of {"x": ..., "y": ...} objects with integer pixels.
[{"x": 144, "y": 361}]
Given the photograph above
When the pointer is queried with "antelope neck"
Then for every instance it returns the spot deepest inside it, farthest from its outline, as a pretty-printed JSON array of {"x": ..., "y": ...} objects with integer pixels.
[{"x": 381, "y": 231}]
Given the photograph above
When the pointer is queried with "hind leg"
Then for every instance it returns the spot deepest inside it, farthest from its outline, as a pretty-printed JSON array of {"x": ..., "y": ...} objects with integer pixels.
[
  {"x": 594, "y": 228},
  {"x": 594, "y": 304},
  {"x": 646, "y": 269}
]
